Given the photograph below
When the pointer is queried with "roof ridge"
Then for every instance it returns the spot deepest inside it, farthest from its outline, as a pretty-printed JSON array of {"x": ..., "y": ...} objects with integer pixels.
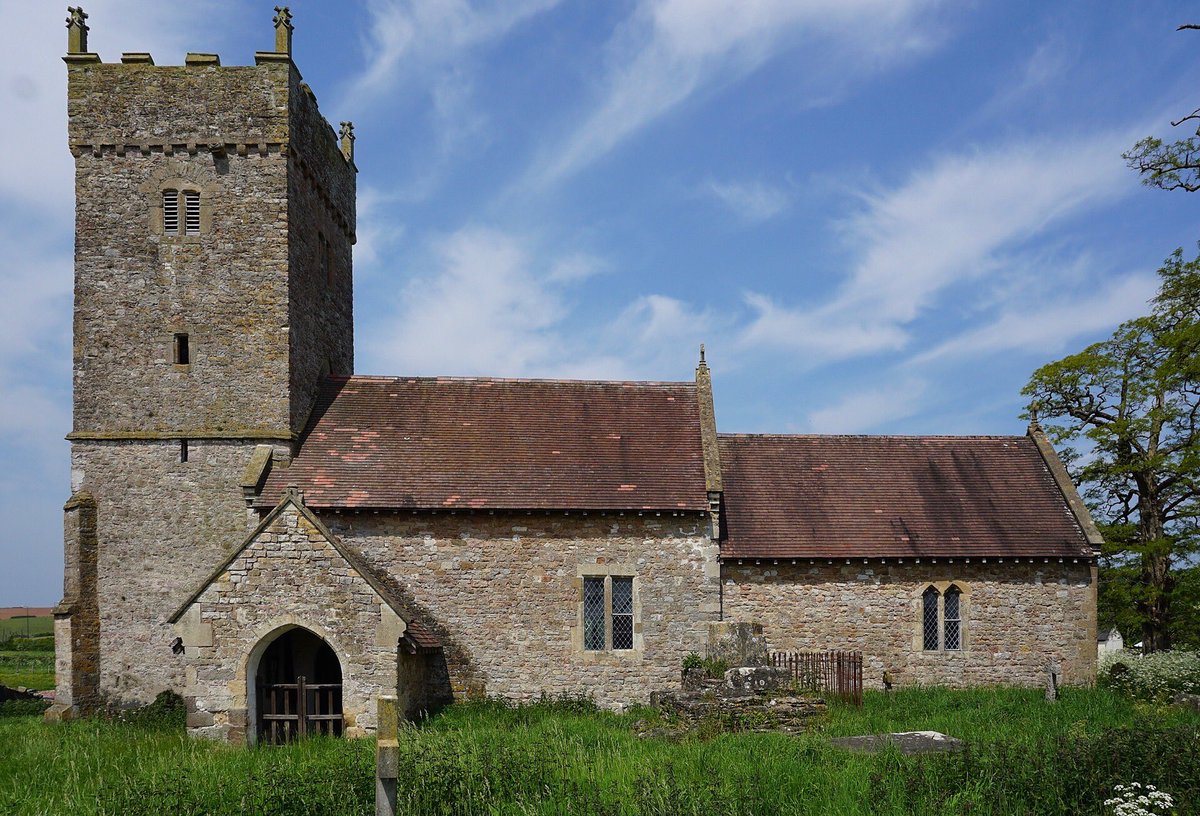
[
  {"x": 551, "y": 380},
  {"x": 935, "y": 437}
]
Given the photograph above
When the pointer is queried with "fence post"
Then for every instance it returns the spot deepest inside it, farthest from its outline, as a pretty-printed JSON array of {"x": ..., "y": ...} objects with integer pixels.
[{"x": 387, "y": 757}]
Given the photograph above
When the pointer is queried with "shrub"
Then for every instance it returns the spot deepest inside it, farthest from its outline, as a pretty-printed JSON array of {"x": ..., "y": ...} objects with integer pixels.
[
  {"x": 1155, "y": 676},
  {"x": 37, "y": 643},
  {"x": 167, "y": 711},
  {"x": 23, "y": 708}
]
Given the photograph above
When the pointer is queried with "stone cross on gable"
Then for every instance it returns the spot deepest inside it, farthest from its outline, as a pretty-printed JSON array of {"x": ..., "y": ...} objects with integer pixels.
[
  {"x": 283, "y": 30},
  {"x": 77, "y": 30}
]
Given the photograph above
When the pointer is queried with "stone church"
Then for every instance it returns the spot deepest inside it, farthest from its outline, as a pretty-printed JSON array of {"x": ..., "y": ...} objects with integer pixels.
[{"x": 251, "y": 523}]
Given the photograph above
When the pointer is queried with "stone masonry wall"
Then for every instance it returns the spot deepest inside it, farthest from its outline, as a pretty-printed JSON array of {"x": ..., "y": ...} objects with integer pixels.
[
  {"x": 226, "y": 288},
  {"x": 264, "y": 325},
  {"x": 162, "y": 526},
  {"x": 290, "y": 575},
  {"x": 503, "y": 592},
  {"x": 1016, "y": 617},
  {"x": 321, "y": 204},
  {"x": 261, "y": 329}
]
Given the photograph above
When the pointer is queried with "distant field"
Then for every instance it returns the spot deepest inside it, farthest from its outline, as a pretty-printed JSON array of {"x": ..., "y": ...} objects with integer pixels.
[
  {"x": 28, "y": 663},
  {"x": 7, "y": 612},
  {"x": 33, "y": 670},
  {"x": 41, "y": 625}
]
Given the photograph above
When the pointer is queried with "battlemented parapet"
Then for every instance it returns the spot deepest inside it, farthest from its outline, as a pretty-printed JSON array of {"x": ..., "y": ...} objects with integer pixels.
[{"x": 239, "y": 157}]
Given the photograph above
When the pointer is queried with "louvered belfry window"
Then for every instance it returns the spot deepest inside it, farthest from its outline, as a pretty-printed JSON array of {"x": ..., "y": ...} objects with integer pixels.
[
  {"x": 593, "y": 613},
  {"x": 929, "y": 619},
  {"x": 622, "y": 612},
  {"x": 170, "y": 209},
  {"x": 952, "y": 618},
  {"x": 191, "y": 205}
]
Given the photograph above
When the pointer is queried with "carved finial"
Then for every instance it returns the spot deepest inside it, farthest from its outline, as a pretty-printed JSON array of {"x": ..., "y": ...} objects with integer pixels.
[
  {"x": 77, "y": 30},
  {"x": 347, "y": 136},
  {"x": 1033, "y": 415},
  {"x": 702, "y": 355},
  {"x": 283, "y": 30}
]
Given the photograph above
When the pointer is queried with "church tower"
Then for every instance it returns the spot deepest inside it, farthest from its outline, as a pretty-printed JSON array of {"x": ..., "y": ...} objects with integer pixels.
[{"x": 215, "y": 216}]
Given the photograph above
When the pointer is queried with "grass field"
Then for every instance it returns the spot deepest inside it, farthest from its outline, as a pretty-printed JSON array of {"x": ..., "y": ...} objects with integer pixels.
[
  {"x": 26, "y": 626},
  {"x": 33, "y": 670},
  {"x": 1024, "y": 756}
]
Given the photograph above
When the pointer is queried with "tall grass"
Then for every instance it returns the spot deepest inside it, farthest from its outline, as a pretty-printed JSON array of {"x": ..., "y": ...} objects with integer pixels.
[{"x": 1024, "y": 756}]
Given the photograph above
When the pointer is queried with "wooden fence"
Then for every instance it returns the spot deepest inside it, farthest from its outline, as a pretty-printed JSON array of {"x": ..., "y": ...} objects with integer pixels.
[{"x": 836, "y": 674}]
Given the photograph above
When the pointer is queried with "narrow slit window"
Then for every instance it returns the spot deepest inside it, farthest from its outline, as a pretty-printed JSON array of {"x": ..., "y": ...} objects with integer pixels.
[
  {"x": 183, "y": 350},
  {"x": 952, "y": 619},
  {"x": 929, "y": 619},
  {"x": 622, "y": 612},
  {"x": 170, "y": 209},
  {"x": 183, "y": 450},
  {"x": 191, "y": 206},
  {"x": 593, "y": 613}
]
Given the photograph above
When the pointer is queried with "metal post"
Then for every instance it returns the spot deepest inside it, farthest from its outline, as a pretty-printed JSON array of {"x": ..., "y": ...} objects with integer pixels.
[{"x": 387, "y": 757}]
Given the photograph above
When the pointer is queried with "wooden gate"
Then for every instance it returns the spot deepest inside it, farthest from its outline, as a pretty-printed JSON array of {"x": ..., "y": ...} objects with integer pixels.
[{"x": 293, "y": 710}]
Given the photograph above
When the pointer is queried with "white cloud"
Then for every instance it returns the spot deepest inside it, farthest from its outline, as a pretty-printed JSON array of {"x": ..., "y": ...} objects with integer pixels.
[
  {"x": 404, "y": 35},
  {"x": 496, "y": 305},
  {"x": 36, "y": 207},
  {"x": 33, "y": 86},
  {"x": 816, "y": 336},
  {"x": 1048, "y": 326},
  {"x": 950, "y": 224},
  {"x": 751, "y": 201},
  {"x": 660, "y": 334},
  {"x": 378, "y": 229},
  {"x": 484, "y": 311},
  {"x": 669, "y": 49},
  {"x": 492, "y": 307},
  {"x": 861, "y": 411}
]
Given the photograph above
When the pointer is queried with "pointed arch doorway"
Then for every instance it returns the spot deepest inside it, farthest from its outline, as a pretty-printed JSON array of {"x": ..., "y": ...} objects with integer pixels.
[{"x": 297, "y": 688}]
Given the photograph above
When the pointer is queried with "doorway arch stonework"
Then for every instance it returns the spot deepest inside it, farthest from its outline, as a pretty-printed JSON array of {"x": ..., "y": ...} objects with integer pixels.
[{"x": 290, "y": 573}]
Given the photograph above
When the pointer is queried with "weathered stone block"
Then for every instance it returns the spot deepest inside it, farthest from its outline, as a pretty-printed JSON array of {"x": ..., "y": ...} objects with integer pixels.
[{"x": 757, "y": 678}]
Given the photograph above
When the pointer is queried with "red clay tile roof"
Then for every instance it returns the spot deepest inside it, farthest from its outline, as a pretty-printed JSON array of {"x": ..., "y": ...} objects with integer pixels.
[
  {"x": 886, "y": 496},
  {"x": 416, "y": 442}
]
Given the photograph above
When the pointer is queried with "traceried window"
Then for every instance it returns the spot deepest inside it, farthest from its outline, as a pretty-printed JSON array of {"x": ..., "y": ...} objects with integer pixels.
[
  {"x": 951, "y": 619},
  {"x": 593, "y": 613},
  {"x": 608, "y": 613},
  {"x": 622, "y": 612},
  {"x": 941, "y": 619},
  {"x": 929, "y": 619}
]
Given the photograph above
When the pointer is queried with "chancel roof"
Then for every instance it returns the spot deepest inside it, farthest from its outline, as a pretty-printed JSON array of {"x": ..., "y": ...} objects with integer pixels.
[
  {"x": 421, "y": 442},
  {"x": 891, "y": 496}
]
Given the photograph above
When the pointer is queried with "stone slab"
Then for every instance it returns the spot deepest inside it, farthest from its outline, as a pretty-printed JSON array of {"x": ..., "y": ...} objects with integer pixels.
[{"x": 908, "y": 742}]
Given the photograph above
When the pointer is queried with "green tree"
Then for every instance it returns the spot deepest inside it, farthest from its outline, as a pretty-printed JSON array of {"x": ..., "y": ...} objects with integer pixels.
[
  {"x": 1132, "y": 405},
  {"x": 1169, "y": 165}
]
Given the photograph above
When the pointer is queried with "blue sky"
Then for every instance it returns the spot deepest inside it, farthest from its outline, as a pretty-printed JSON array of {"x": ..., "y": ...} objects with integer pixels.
[{"x": 880, "y": 215}]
